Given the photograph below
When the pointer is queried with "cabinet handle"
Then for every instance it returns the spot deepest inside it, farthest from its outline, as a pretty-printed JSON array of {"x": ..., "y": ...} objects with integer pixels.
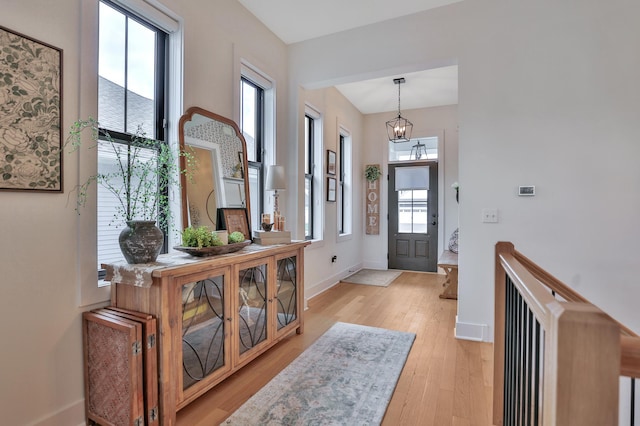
[{"x": 229, "y": 319}]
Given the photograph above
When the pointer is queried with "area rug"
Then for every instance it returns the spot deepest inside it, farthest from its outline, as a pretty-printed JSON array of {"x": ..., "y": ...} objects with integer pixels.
[
  {"x": 379, "y": 277},
  {"x": 347, "y": 377}
]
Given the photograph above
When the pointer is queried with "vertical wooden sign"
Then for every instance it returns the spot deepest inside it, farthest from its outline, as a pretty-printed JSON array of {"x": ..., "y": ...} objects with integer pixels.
[{"x": 372, "y": 218}]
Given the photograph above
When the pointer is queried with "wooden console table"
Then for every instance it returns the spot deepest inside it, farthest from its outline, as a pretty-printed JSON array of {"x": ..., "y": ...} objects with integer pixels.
[
  {"x": 449, "y": 262},
  {"x": 214, "y": 314}
]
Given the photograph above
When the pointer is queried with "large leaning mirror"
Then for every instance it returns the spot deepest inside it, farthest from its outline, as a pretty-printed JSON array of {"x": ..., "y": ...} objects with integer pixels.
[{"x": 219, "y": 178}]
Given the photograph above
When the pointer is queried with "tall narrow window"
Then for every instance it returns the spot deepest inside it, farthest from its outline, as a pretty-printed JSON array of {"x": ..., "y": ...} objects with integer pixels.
[
  {"x": 314, "y": 190},
  {"x": 252, "y": 126},
  {"x": 344, "y": 182},
  {"x": 308, "y": 177},
  {"x": 131, "y": 99}
]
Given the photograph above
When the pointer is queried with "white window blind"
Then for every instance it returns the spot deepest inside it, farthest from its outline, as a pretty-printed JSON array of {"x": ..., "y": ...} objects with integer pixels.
[{"x": 411, "y": 178}]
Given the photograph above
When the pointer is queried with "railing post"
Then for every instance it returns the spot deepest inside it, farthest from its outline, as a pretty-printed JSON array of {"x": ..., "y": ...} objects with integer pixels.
[
  {"x": 582, "y": 366},
  {"x": 498, "y": 338}
]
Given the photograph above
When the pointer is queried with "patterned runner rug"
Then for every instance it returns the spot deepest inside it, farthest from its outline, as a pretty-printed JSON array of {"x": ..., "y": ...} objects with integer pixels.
[{"x": 347, "y": 377}]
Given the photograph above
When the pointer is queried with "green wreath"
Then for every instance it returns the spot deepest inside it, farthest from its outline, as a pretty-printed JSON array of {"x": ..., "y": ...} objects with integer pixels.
[{"x": 372, "y": 172}]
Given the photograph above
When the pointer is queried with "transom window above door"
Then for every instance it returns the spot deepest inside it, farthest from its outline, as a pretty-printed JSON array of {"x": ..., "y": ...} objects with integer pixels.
[{"x": 415, "y": 149}]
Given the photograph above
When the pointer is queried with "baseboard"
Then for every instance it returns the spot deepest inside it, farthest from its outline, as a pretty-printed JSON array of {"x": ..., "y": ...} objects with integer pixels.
[
  {"x": 375, "y": 264},
  {"x": 471, "y": 331},
  {"x": 326, "y": 284},
  {"x": 351, "y": 270},
  {"x": 72, "y": 414},
  {"x": 321, "y": 287}
]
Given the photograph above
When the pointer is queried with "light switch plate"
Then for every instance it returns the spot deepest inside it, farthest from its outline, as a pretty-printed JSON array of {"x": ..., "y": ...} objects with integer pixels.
[{"x": 490, "y": 215}]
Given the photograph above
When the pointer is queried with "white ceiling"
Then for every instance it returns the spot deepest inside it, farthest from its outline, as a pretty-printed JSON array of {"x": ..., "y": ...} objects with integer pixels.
[
  {"x": 422, "y": 89},
  {"x": 298, "y": 20},
  {"x": 286, "y": 18}
]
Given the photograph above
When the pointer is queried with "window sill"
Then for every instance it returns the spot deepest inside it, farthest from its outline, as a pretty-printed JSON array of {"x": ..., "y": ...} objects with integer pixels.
[
  {"x": 344, "y": 237},
  {"x": 315, "y": 244}
]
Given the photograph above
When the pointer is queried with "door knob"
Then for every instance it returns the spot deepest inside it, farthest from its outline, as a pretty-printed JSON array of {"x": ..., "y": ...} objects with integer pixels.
[{"x": 433, "y": 223}]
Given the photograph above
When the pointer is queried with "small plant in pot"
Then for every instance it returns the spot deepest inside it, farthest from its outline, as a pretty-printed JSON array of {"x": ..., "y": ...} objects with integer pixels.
[{"x": 144, "y": 171}]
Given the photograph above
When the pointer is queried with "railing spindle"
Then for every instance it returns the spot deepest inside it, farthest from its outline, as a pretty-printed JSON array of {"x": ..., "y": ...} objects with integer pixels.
[
  {"x": 528, "y": 398},
  {"x": 633, "y": 401},
  {"x": 509, "y": 347},
  {"x": 539, "y": 351}
]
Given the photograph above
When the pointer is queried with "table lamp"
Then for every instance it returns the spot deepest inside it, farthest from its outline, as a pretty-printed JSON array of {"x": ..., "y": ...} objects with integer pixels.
[{"x": 276, "y": 180}]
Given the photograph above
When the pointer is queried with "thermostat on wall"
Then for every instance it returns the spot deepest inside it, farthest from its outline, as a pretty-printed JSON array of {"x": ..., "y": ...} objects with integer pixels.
[{"x": 529, "y": 190}]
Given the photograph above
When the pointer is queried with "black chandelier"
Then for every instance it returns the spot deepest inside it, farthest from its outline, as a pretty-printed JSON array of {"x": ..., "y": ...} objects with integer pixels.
[{"x": 399, "y": 129}]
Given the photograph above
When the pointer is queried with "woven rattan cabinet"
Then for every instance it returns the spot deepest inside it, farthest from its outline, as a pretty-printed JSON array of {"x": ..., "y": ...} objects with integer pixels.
[{"x": 214, "y": 315}]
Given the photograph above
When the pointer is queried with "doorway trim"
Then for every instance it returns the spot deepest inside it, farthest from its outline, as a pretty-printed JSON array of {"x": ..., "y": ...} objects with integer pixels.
[{"x": 440, "y": 134}]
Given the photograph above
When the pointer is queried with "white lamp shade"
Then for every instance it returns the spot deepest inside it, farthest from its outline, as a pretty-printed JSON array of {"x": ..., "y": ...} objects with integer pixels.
[{"x": 276, "y": 179}]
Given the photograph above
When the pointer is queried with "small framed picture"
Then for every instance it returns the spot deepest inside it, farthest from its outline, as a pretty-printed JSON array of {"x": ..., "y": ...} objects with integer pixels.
[
  {"x": 234, "y": 220},
  {"x": 331, "y": 162},
  {"x": 331, "y": 189}
]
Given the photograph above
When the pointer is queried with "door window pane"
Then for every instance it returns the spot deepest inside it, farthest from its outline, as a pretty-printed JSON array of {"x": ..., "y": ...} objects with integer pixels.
[{"x": 412, "y": 211}]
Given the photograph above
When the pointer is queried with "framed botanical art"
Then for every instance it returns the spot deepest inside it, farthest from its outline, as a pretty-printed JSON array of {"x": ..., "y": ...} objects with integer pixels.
[
  {"x": 331, "y": 162},
  {"x": 30, "y": 114},
  {"x": 331, "y": 189}
]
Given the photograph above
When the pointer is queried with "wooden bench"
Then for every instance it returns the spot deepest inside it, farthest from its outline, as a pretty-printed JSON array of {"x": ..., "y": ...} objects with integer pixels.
[{"x": 449, "y": 262}]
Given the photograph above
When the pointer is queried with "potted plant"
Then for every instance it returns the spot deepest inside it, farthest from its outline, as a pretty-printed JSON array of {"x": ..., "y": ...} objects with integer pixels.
[{"x": 144, "y": 171}]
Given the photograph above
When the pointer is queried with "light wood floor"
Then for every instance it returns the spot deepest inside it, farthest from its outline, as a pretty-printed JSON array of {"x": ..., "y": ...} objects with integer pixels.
[{"x": 444, "y": 382}]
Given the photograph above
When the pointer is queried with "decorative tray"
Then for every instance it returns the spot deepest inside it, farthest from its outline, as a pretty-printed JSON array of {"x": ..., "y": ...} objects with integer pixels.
[{"x": 214, "y": 250}]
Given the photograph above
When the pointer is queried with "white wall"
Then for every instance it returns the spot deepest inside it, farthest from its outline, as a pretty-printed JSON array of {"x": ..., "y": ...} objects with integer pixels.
[
  {"x": 41, "y": 379},
  {"x": 40, "y": 326},
  {"x": 549, "y": 96},
  {"x": 554, "y": 103}
]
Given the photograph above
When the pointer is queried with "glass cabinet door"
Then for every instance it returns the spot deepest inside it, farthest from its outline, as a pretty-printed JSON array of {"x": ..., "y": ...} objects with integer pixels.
[
  {"x": 203, "y": 329},
  {"x": 286, "y": 291},
  {"x": 252, "y": 307}
]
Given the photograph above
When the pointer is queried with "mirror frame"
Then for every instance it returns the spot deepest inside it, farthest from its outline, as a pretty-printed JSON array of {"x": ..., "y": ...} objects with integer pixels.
[{"x": 188, "y": 116}]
